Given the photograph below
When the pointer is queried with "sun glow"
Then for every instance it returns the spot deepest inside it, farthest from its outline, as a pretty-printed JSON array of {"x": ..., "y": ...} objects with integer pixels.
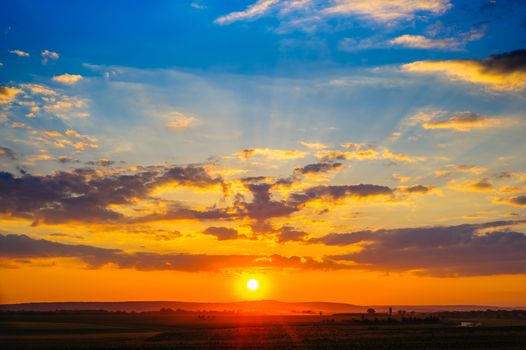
[{"x": 252, "y": 284}]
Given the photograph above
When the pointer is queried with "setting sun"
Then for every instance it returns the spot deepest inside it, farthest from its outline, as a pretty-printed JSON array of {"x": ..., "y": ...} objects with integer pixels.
[{"x": 252, "y": 284}]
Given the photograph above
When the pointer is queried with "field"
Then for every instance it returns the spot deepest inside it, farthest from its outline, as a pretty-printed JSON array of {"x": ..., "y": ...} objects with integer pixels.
[{"x": 96, "y": 330}]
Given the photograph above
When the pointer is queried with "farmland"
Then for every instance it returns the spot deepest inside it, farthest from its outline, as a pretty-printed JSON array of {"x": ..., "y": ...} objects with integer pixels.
[{"x": 191, "y": 330}]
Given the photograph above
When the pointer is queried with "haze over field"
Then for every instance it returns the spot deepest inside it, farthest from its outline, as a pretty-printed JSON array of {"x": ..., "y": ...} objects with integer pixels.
[{"x": 365, "y": 153}]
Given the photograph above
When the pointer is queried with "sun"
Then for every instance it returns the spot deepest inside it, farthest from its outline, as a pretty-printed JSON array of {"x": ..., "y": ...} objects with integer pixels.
[{"x": 252, "y": 284}]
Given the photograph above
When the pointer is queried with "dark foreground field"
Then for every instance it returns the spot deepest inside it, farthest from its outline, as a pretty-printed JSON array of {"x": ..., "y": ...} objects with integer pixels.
[{"x": 85, "y": 330}]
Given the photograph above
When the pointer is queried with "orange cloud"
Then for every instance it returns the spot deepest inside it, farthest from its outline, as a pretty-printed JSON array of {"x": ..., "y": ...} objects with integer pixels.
[
  {"x": 519, "y": 201},
  {"x": 476, "y": 185},
  {"x": 67, "y": 79},
  {"x": 8, "y": 94},
  {"x": 271, "y": 154},
  {"x": 314, "y": 145},
  {"x": 467, "y": 121}
]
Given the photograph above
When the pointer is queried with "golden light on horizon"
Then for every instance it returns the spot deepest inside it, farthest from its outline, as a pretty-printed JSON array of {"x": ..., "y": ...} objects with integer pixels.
[{"x": 252, "y": 284}]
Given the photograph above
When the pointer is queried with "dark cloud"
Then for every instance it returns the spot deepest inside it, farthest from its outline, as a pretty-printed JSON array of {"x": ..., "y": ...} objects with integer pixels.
[
  {"x": 520, "y": 200},
  {"x": 7, "y": 153},
  {"x": 417, "y": 189},
  {"x": 222, "y": 233},
  {"x": 503, "y": 175},
  {"x": 318, "y": 168},
  {"x": 483, "y": 184},
  {"x": 101, "y": 162},
  {"x": 179, "y": 213},
  {"x": 23, "y": 247},
  {"x": 189, "y": 176},
  {"x": 65, "y": 160},
  {"x": 287, "y": 233},
  {"x": 262, "y": 206},
  {"x": 84, "y": 195},
  {"x": 506, "y": 62},
  {"x": 461, "y": 250},
  {"x": 340, "y": 192}
]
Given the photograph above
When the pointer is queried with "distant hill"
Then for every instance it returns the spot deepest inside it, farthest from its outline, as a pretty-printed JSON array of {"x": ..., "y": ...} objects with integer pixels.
[{"x": 259, "y": 306}]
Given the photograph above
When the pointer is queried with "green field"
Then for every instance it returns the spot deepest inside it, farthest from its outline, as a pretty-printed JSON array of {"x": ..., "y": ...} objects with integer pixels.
[{"x": 230, "y": 331}]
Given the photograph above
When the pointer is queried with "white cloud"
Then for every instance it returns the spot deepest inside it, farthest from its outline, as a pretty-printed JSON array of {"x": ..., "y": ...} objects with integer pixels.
[
  {"x": 257, "y": 9},
  {"x": 49, "y": 55},
  {"x": 422, "y": 42},
  {"x": 388, "y": 10},
  {"x": 19, "y": 53}
]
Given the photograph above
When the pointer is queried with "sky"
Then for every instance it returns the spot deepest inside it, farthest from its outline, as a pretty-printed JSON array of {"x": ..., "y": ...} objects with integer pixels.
[{"x": 362, "y": 152}]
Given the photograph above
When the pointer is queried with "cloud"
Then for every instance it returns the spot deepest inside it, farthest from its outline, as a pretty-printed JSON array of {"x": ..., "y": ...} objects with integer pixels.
[
  {"x": 419, "y": 189},
  {"x": 38, "y": 89},
  {"x": 48, "y": 55},
  {"x": 503, "y": 72},
  {"x": 334, "y": 193},
  {"x": 290, "y": 234},
  {"x": 23, "y": 247},
  {"x": 364, "y": 151},
  {"x": 255, "y": 10},
  {"x": 66, "y": 107},
  {"x": 86, "y": 195},
  {"x": 318, "y": 170},
  {"x": 67, "y": 79},
  {"x": 7, "y": 153},
  {"x": 271, "y": 154},
  {"x": 460, "y": 168},
  {"x": 8, "y": 94},
  {"x": 476, "y": 185},
  {"x": 263, "y": 207},
  {"x": 197, "y": 6},
  {"x": 70, "y": 138},
  {"x": 178, "y": 120},
  {"x": 19, "y": 53},
  {"x": 422, "y": 42},
  {"x": 306, "y": 13},
  {"x": 314, "y": 145},
  {"x": 519, "y": 201},
  {"x": 222, "y": 233},
  {"x": 463, "y": 250},
  {"x": 102, "y": 162},
  {"x": 384, "y": 11},
  {"x": 466, "y": 121}
]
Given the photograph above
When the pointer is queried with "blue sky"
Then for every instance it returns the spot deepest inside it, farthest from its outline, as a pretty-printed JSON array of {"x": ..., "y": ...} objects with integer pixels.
[{"x": 265, "y": 127}]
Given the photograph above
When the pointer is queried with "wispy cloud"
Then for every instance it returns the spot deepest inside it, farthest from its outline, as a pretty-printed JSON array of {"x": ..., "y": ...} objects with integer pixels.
[
  {"x": 178, "y": 120},
  {"x": 422, "y": 42},
  {"x": 255, "y": 10},
  {"x": 271, "y": 154},
  {"x": 388, "y": 10},
  {"x": 467, "y": 121},
  {"x": 19, "y": 53},
  {"x": 379, "y": 11}
]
